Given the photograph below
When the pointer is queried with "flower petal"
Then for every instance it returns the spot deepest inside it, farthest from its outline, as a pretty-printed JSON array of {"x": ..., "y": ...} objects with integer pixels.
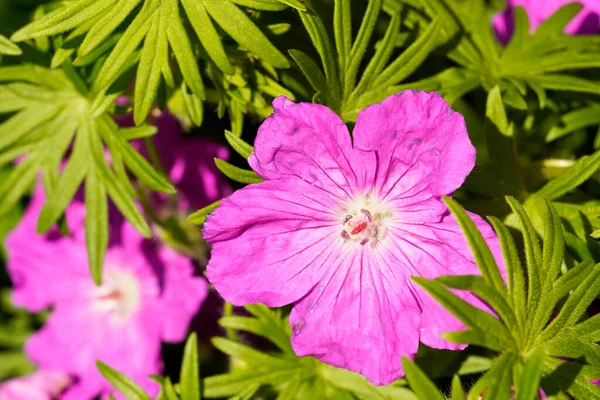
[
  {"x": 361, "y": 317},
  {"x": 271, "y": 242},
  {"x": 308, "y": 141},
  {"x": 436, "y": 249},
  {"x": 75, "y": 336},
  {"x": 417, "y": 128}
]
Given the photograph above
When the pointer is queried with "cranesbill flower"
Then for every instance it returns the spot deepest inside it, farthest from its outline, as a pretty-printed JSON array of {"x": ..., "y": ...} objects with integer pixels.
[
  {"x": 42, "y": 385},
  {"x": 148, "y": 295},
  {"x": 341, "y": 224},
  {"x": 586, "y": 22}
]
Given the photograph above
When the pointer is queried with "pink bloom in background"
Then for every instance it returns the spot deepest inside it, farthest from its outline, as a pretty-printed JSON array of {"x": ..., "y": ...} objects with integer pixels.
[
  {"x": 586, "y": 22},
  {"x": 148, "y": 295},
  {"x": 189, "y": 161},
  {"x": 42, "y": 385},
  {"x": 337, "y": 229}
]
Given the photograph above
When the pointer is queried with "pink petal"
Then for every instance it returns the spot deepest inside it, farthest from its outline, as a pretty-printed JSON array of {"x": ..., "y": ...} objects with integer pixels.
[
  {"x": 271, "y": 242},
  {"x": 75, "y": 336},
  {"x": 361, "y": 316},
  {"x": 421, "y": 131},
  {"x": 435, "y": 249},
  {"x": 308, "y": 141}
]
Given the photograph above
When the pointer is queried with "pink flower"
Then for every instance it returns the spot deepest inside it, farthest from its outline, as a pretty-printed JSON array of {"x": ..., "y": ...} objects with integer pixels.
[
  {"x": 341, "y": 223},
  {"x": 148, "y": 295},
  {"x": 586, "y": 22},
  {"x": 42, "y": 385}
]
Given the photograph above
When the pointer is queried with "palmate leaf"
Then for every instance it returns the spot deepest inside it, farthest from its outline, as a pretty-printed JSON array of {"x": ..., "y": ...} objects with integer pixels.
[
  {"x": 335, "y": 81},
  {"x": 531, "y": 343},
  {"x": 42, "y": 132},
  {"x": 157, "y": 26},
  {"x": 535, "y": 63}
]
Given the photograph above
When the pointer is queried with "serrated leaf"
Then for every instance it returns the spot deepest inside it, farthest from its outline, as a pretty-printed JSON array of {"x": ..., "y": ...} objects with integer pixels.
[
  {"x": 237, "y": 174},
  {"x": 123, "y": 384},
  {"x": 189, "y": 384},
  {"x": 419, "y": 383}
]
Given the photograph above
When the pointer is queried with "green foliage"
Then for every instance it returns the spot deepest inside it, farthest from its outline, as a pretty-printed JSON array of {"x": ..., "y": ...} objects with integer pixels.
[
  {"x": 290, "y": 376},
  {"x": 110, "y": 32},
  {"x": 337, "y": 84},
  {"x": 9, "y": 48},
  {"x": 50, "y": 112},
  {"x": 562, "y": 350}
]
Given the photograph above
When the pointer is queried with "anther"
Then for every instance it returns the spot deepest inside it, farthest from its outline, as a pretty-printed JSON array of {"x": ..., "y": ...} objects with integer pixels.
[
  {"x": 348, "y": 218},
  {"x": 367, "y": 213},
  {"x": 364, "y": 241},
  {"x": 345, "y": 235}
]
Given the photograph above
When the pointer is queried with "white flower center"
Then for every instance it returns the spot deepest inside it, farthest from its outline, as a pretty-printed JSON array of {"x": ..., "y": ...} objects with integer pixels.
[
  {"x": 364, "y": 221},
  {"x": 119, "y": 294}
]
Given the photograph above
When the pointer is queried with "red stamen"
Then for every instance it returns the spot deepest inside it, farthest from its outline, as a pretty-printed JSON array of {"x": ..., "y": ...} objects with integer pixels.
[{"x": 359, "y": 228}]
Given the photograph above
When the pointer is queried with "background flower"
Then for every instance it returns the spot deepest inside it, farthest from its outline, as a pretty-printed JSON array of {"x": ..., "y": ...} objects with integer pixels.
[
  {"x": 148, "y": 294},
  {"x": 586, "y": 22},
  {"x": 41, "y": 385}
]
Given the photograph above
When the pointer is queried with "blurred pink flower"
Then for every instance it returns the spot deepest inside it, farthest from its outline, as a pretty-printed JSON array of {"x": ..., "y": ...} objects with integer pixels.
[
  {"x": 189, "y": 161},
  {"x": 148, "y": 295},
  {"x": 341, "y": 223},
  {"x": 586, "y": 22},
  {"x": 42, "y": 385}
]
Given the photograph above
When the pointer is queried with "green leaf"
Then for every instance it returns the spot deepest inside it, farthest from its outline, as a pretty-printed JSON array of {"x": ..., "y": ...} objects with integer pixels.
[
  {"x": 359, "y": 47},
  {"x": 169, "y": 390},
  {"x": 68, "y": 183},
  {"x": 242, "y": 30},
  {"x": 320, "y": 39},
  {"x": 481, "y": 252},
  {"x": 96, "y": 224},
  {"x": 493, "y": 333},
  {"x": 182, "y": 48},
  {"x": 514, "y": 269},
  {"x": 241, "y": 147},
  {"x": 250, "y": 355},
  {"x": 574, "y": 120},
  {"x": 9, "y": 48},
  {"x": 199, "y": 216},
  {"x": 207, "y": 33},
  {"x": 123, "y": 384},
  {"x": 342, "y": 28},
  {"x": 260, "y": 328},
  {"x": 189, "y": 384},
  {"x": 528, "y": 387},
  {"x": 419, "y": 383},
  {"x": 237, "y": 174},
  {"x": 499, "y": 378},
  {"x": 457, "y": 389},
  {"x": 313, "y": 73},
  {"x": 581, "y": 171},
  {"x": 155, "y": 54}
]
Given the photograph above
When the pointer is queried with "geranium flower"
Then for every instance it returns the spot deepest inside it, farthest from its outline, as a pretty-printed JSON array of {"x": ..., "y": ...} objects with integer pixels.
[
  {"x": 42, "y": 385},
  {"x": 586, "y": 22},
  {"x": 148, "y": 295},
  {"x": 341, "y": 223}
]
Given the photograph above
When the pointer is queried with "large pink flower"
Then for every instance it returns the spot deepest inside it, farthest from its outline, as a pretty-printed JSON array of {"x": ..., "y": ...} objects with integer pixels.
[
  {"x": 586, "y": 22},
  {"x": 342, "y": 223},
  {"x": 148, "y": 295},
  {"x": 42, "y": 385}
]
